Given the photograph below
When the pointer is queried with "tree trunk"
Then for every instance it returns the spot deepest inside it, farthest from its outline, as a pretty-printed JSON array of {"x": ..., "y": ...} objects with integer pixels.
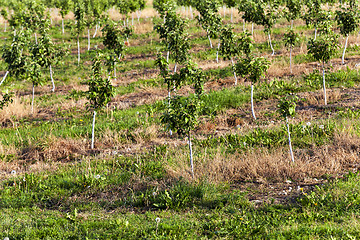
[
  {"x": 244, "y": 27},
  {"x": 93, "y": 131},
  {"x": 252, "y": 101},
  {"x": 231, "y": 19},
  {"x": 7, "y": 72},
  {"x": 191, "y": 156},
  {"x": 32, "y": 100},
  {"x": 289, "y": 138},
  {"x": 233, "y": 65},
  {"x": 132, "y": 19},
  {"x": 325, "y": 100},
  {"x": 175, "y": 68},
  {"x": 62, "y": 26},
  {"x": 224, "y": 11},
  {"x": 217, "y": 53},
  {"x": 291, "y": 24},
  {"x": 167, "y": 56},
  {"x": 290, "y": 59},
  {"x": 115, "y": 70},
  {"x": 252, "y": 29},
  {"x": 315, "y": 34},
  {"x": 96, "y": 29},
  {"x": 88, "y": 39},
  {"x": 343, "y": 56},
  {"x": 52, "y": 79},
  {"x": 5, "y": 27},
  {"x": 272, "y": 49},
  {"x": 35, "y": 38},
  {"x": 78, "y": 43},
  {"x": 191, "y": 13},
  {"x": 207, "y": 32}
]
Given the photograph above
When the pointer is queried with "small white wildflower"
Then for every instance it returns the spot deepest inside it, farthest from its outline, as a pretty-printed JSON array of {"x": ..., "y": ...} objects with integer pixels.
[
  {"x": 24, "y": 179},
  {"x": 137, "y": 113},
  {"x": 272, "y": 122},
  {"x": 321, "y": 126},
  {"x": 308, "y": 123},
  {"x": 6, "y": 238},
  {"x": 238, "y": 126},
  {"x": 97, "y": 176},
  {"x": 290, "y": 188},
  {"x": 157, "y": 220},
  {"x": 154, "y": 194},
  {"x": 244, "y": 144},
  {"x": 115, "y": 152},
  {"x": 288, "y": 181},
  {"x": 13, "y": 172}
]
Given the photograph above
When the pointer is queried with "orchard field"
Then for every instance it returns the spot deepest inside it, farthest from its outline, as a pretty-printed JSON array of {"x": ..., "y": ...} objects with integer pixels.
[{"x": 179, "y": 119}]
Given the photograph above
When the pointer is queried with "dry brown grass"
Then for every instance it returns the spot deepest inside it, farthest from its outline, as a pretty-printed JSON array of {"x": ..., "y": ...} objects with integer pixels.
[
  {"x": 52, "y": 149},
  {"x": 263, "y": 165},
  {"x": 18, "y": 109}
]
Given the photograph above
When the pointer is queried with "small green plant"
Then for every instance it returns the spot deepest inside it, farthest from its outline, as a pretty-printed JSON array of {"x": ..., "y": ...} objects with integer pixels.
[
  {"x": 100, "y": 90},
  {"x": 290, "y": 39},
  {"x": 286, "y": 108},
  {"x": 323, "y": 49},
  {"x": 253, "y": 68}
]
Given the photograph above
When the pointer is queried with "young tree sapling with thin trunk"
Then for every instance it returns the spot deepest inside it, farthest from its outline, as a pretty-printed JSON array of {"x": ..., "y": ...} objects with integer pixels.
[
  {"x": 290, "y": 39},
  {"x": 286, "y": 108},
  {"x": 100, "y": 91}
]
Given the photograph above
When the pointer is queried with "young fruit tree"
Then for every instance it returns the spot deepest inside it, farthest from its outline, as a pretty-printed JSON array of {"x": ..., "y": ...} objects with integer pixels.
[
  {"x": 14, "y": 56},
  {"x": 183, "y": 113},
  {"x": 348, "y": 21},
  {"x": 315, "y": 15},
  {"x": 46, "y": 53},
  {"x": 209, "y": 17},
  {"x": 114, "y": 42},
  {"x": 64, "y": 6},
  {"x": 231, "y": 45},
  {"x": 100, "y": 91},
  {"x": 286, "y": 108},
  {"x": 293, "y": 10},
  {"x": 290, "y": 39},
  {"x": 263, "y": 13},
  {"x": 5, "y": 15},
  {"x": 253, "y": 69},
  {"x": 323, "y": 49},
  {"x": 79, "y": 12},
  {"x": 33, "y": 74}
]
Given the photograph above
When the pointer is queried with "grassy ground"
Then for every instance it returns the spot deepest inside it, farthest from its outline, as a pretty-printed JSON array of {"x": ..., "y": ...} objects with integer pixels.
[{"x": 137, "y": 182}]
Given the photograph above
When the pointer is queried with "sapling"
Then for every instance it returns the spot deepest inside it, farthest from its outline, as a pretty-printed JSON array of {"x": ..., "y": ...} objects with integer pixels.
[
  {"x": 4, "y": 14},
  {"x": 231, "y": 45},
  {"x": 253, "y": 69},
  {"x": 64, "y": 6},
  {"x": 323, "y": 49},
  {"x": 79, "y": 12},
  {"x": 100, "y": 91},
  {"x": 348, "y": 21},
  {"x": 286, "y": 108},
  {"x": 183, "y": 113},
  {"x": 290, "y": 39},
  {"x": 293, "y": 11}
]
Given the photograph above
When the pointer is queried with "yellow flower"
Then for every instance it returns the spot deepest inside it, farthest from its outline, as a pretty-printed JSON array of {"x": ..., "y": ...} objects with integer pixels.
[{"x": 81, "y": 120}]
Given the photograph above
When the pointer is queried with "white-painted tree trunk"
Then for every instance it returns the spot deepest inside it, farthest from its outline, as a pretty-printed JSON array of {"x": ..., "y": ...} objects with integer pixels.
[
  {"x": 115, "y": 70},
  {"x": 62, "y": 26},
  {"x": 5, "y": 27},
  {"x": 289, "y": 138},
  {"x": 252, "y": 29},
  {"x": 132, "y": 19},
  {"x": 78, "y": 44},
  {"x": 233, "y": 65},
  {"x": 52, "y": 79},
  {"x": 167, "y": 56},
  {"x": 175, "y": 67},
  {"x": 224, "y": 11},
  {"x": 88, "y": 39},
  {"x": 231, "y": 18},
  {"x": 325, "y": 99},
  {"x": 217, "y": 53},
  {"x": 290, "y": 59},
  {"x": 343, "y": 56},
  {"x": 32, "y": 100},
  {"x": 292, "y": 24},
  {"x": 191, "y": 155},
  {"x": 272, "y": 49},
  {"x": 252, "y": 101},
  {"x": 93, "y": 131},
  {"x": 191, "y": 13},
  {"x": 244, "y": 27},
  {"x": 315, "y": 33},
  {"x": 7, "y": 72},
  {"x": 35, "y": 38},
  {"x": 207, "y": 32},
  {"x": 96, "y": 29}
]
